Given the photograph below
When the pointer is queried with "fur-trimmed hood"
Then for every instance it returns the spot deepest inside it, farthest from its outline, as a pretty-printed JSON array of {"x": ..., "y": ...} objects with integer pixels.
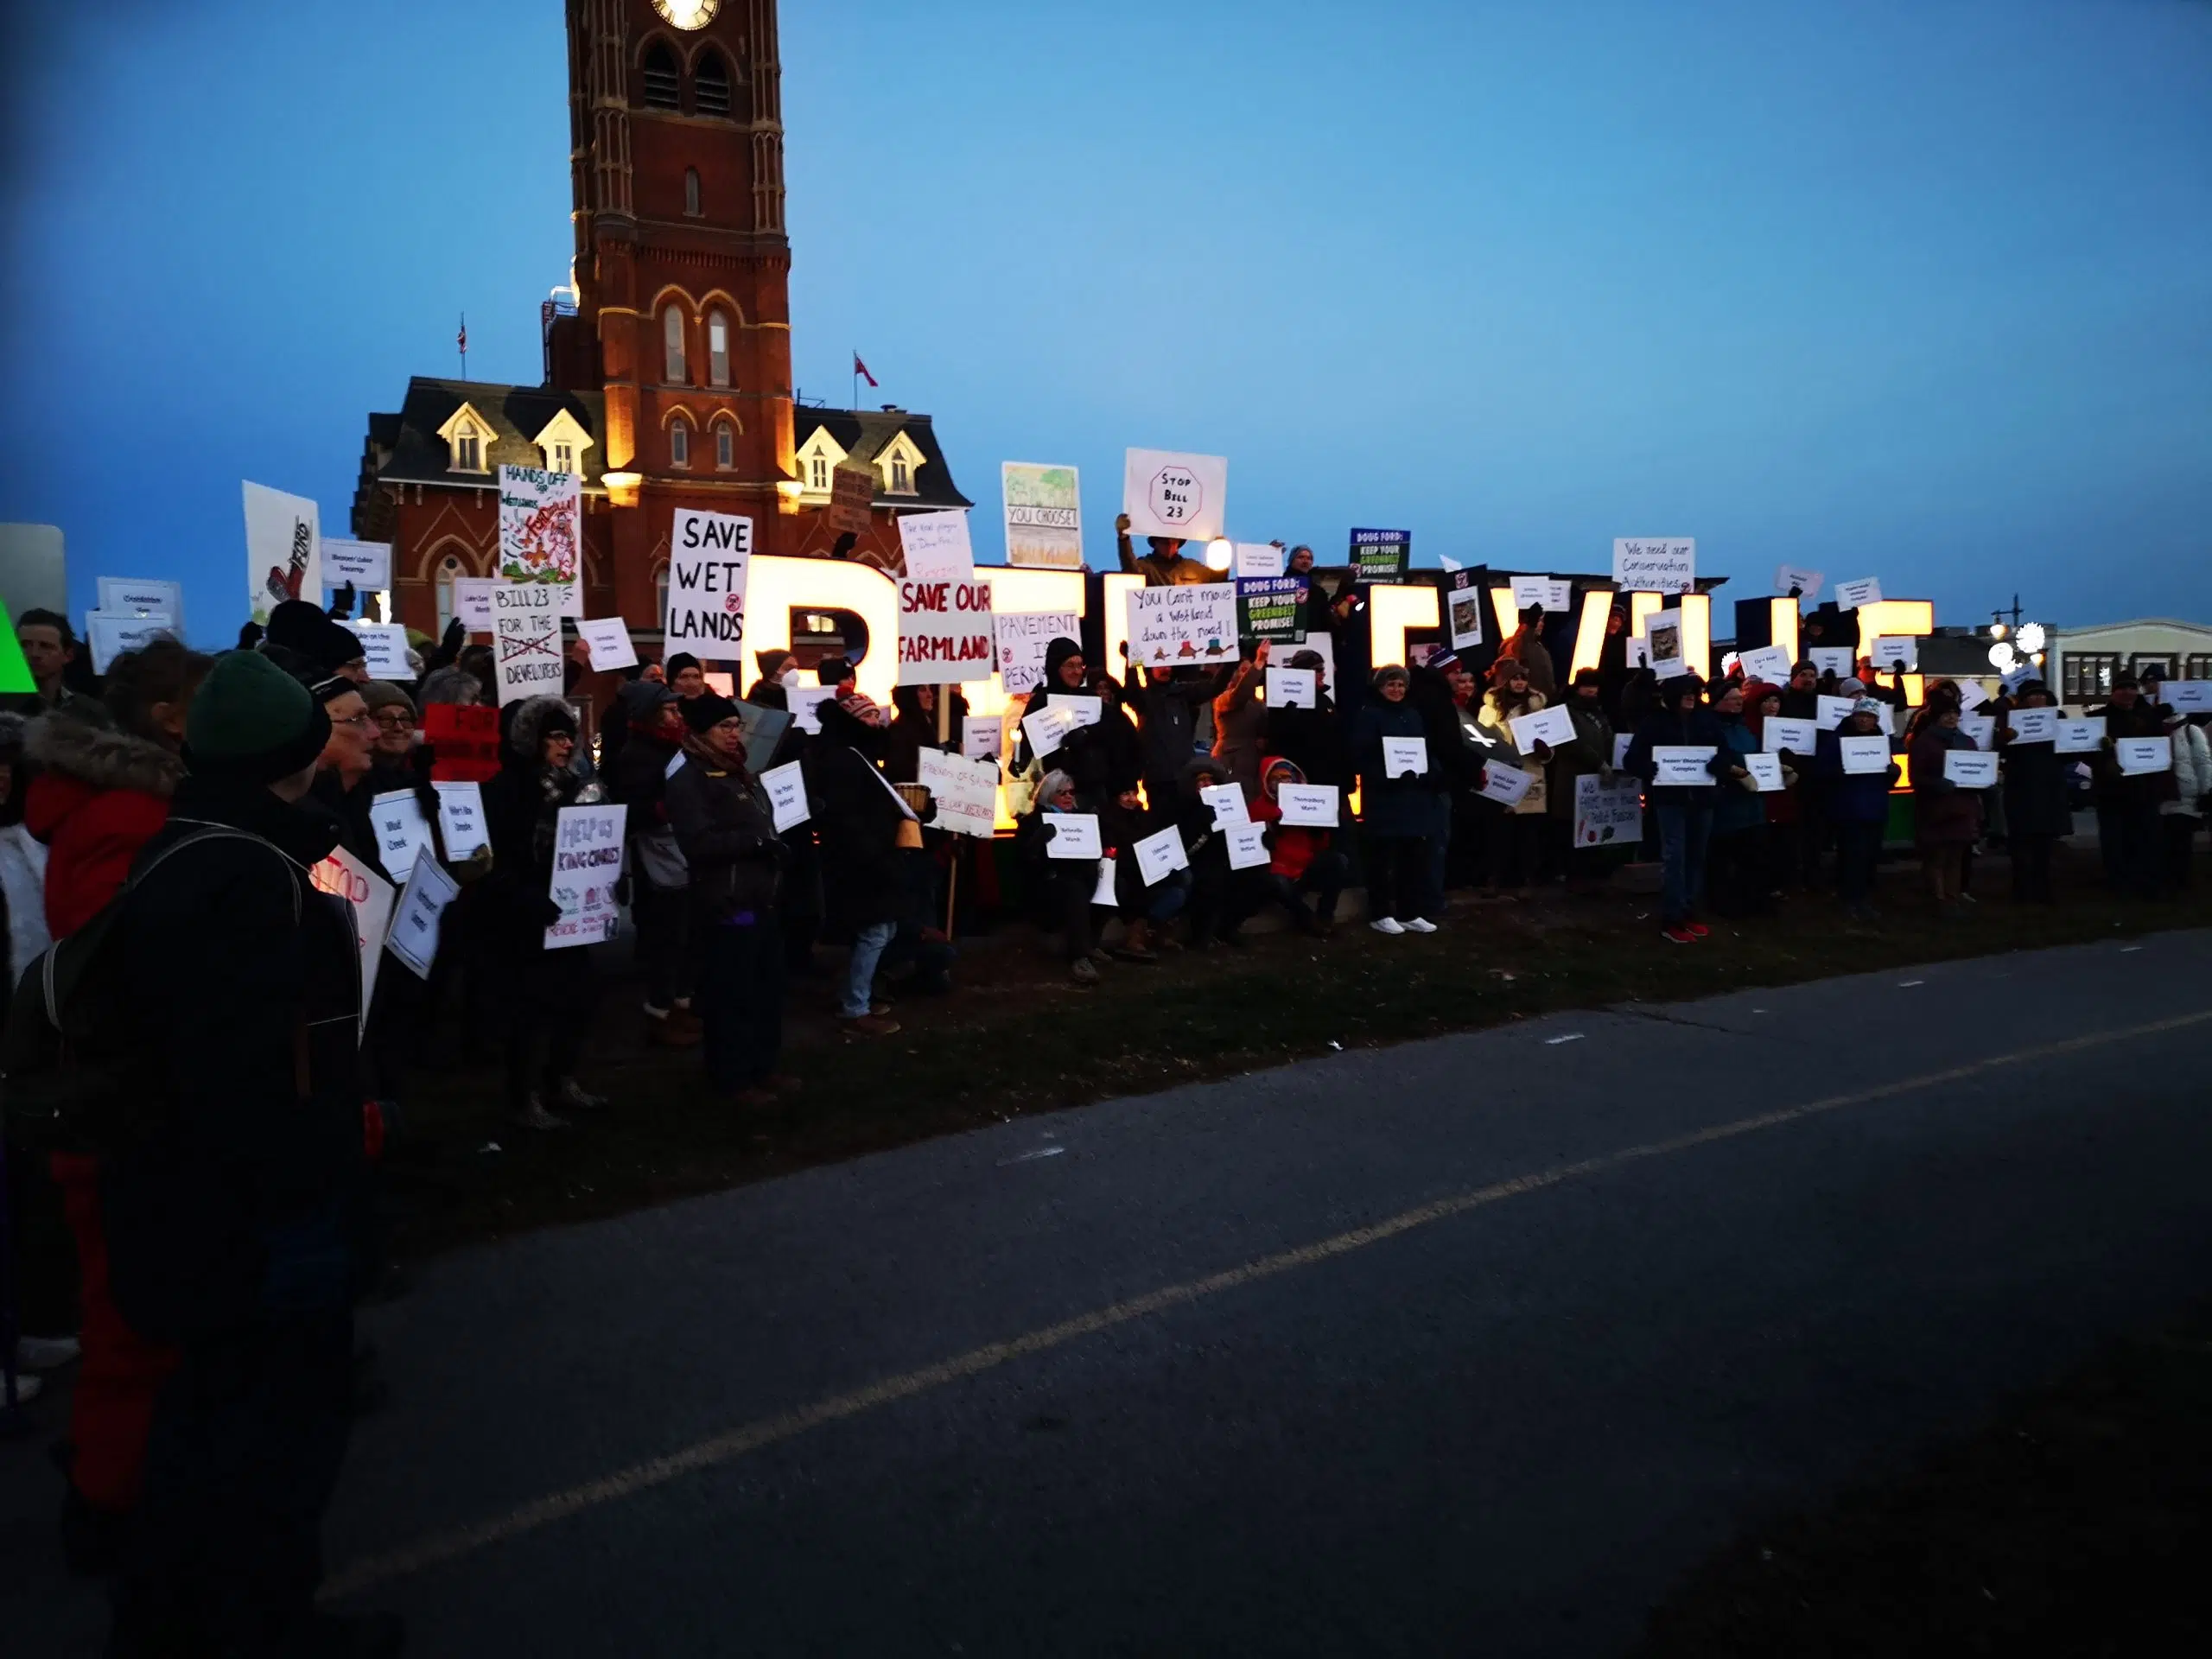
[
  {"x": 534, "y": 717},
  {"x": 101, "y": 757}
]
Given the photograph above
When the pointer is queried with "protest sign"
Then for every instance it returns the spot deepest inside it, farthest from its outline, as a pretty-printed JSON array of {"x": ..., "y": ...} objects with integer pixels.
[
  {"x": 587, "y": 863},
  {"x": 1663, "y": 635},
  {"x": 472, "y": 602},
  {"x": 2078, "y": 736},
  {"x": 1655, "y": 565},
  {"x": 1290, "y": 688},
  {"x": 1271, "y": 607},
  {"x": 2141, "y": 755},
  {"x": 109, "y": 635},
  {"x": 1024, "y": 636},
  {"x": 851, "y": 511},
  {"x": 541, "y": 533},
  {"x": 1310, "y": 805},
  {"x": 1766, "y": 771},
  {"x": 709, "y": 556},
  {"x": 1160, "y": 854},
  {"x": 460, "y": 818},
  {"x": 1969, "y": 770},
  {"x": 1506, "y": 784},
  {"x": 1890, "y": 648},
  {"x": 1603, "y": 816},
  {"x": 1227, "y": 802},
  {"x": 945, "y": 632},
  {"x": 936, "y": 547},
  {"x": 368, "y": 897},
  {"x": 1171, "y": 627},
  {"x": 126, "y": 596},
  {"x": 1554, "y": 596},
  {"x": 1169, "y": 494},
  {"x": 1047, "y": 728},
  {"x": 805, "y": 702},
  {"x": 366, "y": 565},
  {"x": 1464, "y": 611},
  {"x": 1553, "y": 725},
  {"x": 1247, "y": 845},
  {"x": 400, "y": 829},
  {"x": 1768, "y": 662},
  {"x": 526, "y": 637},
  {"x": 967, "y": 792},
  {"x": 384, "y": 648},
  {"x": 1865, "y": 755},
  {"x": 1838, "y": 660},
  {"x": 609, "y": 640},
  {"x": 1405, "y": 757},
  {"x": 1981, "y": 729},
  {"x": 982, "y": 737},
  {"x": 283, "y": 550},
  {"x": 764, "y": 735},
  {"x": 1850, "y": 595},
  {"x": 2183, "y": 696},
  {"x": 1074, "y": 834},
  {"x": 466, "y": 741},
  {"x": 786, "y": 787},
  {"x": 1805, "y": 583},
  {"x": 1380, "y": 555},
  {"x": 1044, "y": 515},
  {"x": 419, "y": 920},
  {"x": 1831, "y": 712},
  {"x": 2033, "y": 725},
  {"x": 1085, "y": 711},
  {"x": 1257, "y": 561},
  {"x": 1796, "y": 736},
  {"x": 1681, "y": 765}
]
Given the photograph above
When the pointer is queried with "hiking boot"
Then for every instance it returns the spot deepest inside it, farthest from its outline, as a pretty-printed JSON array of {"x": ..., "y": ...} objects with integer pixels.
[
  {"x": 868, "y": 1024},
  {"x": 1136, "y": 943},
  {"x": 575, "y": 1097},
  {"x": 675, "y": 1029},
  {"x": 533, "y": 1115},
  {"x": 1083, "y": 971}
]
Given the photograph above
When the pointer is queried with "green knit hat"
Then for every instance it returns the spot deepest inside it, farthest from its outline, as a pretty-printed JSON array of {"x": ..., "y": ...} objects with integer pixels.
[{"x": 251, "y": 722}]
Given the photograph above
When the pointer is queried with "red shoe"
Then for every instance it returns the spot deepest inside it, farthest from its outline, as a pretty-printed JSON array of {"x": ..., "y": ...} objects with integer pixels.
[
  {"x": 1697, "y": 930},
  {"x": 1678, "y": 936}
]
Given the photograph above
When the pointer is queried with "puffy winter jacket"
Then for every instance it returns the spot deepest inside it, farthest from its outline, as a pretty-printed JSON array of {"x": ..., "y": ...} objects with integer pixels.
[
  {"x": 96, "y": 796},
  {"x": 2192, "y": 770}
]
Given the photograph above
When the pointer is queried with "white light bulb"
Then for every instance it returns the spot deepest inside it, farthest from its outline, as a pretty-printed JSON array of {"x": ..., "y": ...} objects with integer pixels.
[
  {"x": 1221, "y": 553},
  {"x": 2032, "y": 637},
  {"x": 1997, "y": 630},
  {"x": 2000, "y": 656}
]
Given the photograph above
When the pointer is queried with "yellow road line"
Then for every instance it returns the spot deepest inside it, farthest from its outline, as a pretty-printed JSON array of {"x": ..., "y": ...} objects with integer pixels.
[{"x": 442, "y": 1548}]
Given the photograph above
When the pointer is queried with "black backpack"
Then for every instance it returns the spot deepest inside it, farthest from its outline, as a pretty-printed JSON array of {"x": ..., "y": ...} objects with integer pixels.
[{"x": 76, "y": 1071}]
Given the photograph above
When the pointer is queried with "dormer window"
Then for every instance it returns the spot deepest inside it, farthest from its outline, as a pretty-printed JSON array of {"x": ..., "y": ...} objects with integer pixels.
[
  {"x": 564, "y": 458},
  {"x": 816, "y": 461},
  {"x": 817, "y": 471},
  {"x": 469, "y": 452},
  {"x": 562, "y": 442},
  {"x": 898, "y": 463},
  {"x": 901, "y": 480},
  {"x": 468, "y": 442}
]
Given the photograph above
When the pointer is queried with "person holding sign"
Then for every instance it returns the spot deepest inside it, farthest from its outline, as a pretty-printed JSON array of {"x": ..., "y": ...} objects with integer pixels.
[
  {"x": 1240, "y": 720},
  {"x": 733, "y": 859},
  {"x": 1405, "y": 812},
  {"x": 2128, "y": 833},
  {"x": 1858, "y": 808},
  {"x": 1062, "y": 886},
  {"x": 1527, "y": 648},
  {"x": 1299, "y": 860},
  {"x": 1165, "y": 565},
  {"x": 2038, "y": 795},
  {"x": 1737, "y": 862},
  {"x": 1165, "y": 702},
  {"x": 861, "y": 823},
  {"x": 2180, "y": 818},
  {"x": 1947, "y": 818},
  {"x": 1310, "y": 738},
  {"x": 1102, "y": 756},
  {"x": 654, "y": 721},
  {"x": 1516, "y": 832},
  {"x": 1214, "y": 908},
  {"x": 1680, "y": 719},
  {"x": 1587, "y": 753}
]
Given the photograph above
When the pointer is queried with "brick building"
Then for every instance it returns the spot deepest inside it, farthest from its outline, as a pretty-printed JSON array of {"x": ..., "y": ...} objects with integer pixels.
[{"x": 667, "y": 364}]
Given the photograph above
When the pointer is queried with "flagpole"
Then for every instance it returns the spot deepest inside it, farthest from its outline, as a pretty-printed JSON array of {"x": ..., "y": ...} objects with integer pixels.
[
  {"x": 464, "y": 345},
  {"x": 856, "y": 380}
]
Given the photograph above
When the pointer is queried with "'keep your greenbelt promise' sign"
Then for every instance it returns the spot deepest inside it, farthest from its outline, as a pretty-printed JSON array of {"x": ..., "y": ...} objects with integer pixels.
[
  {"x": 1271, "y": 607},
  {"x": 1380, "y": 555}
]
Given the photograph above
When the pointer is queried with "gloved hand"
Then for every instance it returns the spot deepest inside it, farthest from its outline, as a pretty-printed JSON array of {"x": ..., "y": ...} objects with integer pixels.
[
  {"x": 549, "y": 913},
  {"x": 249, "y": 636},
  {"x": 622, "y": 888},
  {"x": 928, "y": 812},
  {"x": 1543, "y": 751},
  {"x": 475, "y": 867},
  {"x": 341, "y": 602},
  {"x": 1748, "y": 782},
  {"x": 456, "y": 636}
]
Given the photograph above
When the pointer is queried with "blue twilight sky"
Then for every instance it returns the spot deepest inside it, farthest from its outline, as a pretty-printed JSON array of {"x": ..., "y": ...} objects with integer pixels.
[{"x": 1919, "y": 288}]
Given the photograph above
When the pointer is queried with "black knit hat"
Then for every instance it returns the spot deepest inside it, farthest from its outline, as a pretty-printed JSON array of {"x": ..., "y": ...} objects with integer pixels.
[
  {"x": 299, "y": 627},
  {"x": 676, "y": 665},
  {"x": 707, "y": 710}
]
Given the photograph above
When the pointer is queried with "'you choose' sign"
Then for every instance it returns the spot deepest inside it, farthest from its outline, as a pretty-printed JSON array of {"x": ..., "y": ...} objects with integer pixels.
[{"x": 709, "y": 554}]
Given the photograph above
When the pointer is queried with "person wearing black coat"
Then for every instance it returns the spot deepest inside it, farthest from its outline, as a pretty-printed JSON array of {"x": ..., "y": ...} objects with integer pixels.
[
  {"x": 1404, "y": 815},
  {"x": 2038, "y": 800},
  {"x": 859, "y": 818},
  {"x": 1310, "y": 738},
  {"x": 1217, "y": 903},
  {"x": 1102, "y": 758},
  {"x": 1684, "y": 811},
  {"x": 653, "y": 717},
  {"x": 2127, "y": 807},
  {"x": 1166, "y": 703},
  {"x": 727, "y": 832}
]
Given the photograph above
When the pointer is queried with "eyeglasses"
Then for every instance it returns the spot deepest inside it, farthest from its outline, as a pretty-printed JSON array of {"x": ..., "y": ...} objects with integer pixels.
[
  {"x": 362, "y": 719},
  {"x": 391, "y": 719}
]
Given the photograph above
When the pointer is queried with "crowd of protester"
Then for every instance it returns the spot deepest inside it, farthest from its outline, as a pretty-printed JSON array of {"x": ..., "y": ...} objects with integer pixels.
[{"x": 167, "y": 817}]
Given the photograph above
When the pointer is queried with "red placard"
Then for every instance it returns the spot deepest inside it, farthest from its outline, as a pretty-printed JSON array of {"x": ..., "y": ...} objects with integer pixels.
[{"x": 466, "y": 741}]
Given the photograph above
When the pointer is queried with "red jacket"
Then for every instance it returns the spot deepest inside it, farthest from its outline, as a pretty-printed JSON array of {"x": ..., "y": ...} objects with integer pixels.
[
  {"x": 97, "y": 798},
  {"x": 1291, "y": 846}
]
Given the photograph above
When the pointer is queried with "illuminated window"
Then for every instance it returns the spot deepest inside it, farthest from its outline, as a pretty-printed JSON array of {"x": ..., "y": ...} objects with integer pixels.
[
  {"x": 691, "y": 193},
  {"x": 717, "y": 349},
  {"x": 710, "y": 85},
  {"x": 679, "y": 442},
  {"x": 724, "y": 447},
  {"x": 817, "y": 477},
  {"x": 2088, "y": 674},
  {"x": 664, "y": 80},
  {"x": 672, "y": 339}
]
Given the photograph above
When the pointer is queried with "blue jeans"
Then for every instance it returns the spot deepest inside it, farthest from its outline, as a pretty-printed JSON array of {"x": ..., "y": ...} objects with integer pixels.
[
  {"x": 1683, "y": 833},
  {"x": 860, "y": 972}
]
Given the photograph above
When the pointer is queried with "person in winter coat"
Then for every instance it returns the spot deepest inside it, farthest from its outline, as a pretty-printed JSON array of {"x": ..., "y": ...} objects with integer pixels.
[
  {"x": 1312, "y": 740},
  {"x": 1165, "y": 565},
  {"x": 1684, "y": 809},
  {"x": 1216, "y": 904},
  {"x": 1591, "y": 756},
  {"x": 1300, "y": 858},
  {"x": 1167, "y": 704},
  {"x": 1947, "y": 819},
  {"x": 234, "y": 1210},
  {"x": 22, "y": 865},
  {"x": 859, "y": 817},
  {"x": 1516, "y": 831},
  {"x": 653, "y": 718},
  {"x": 343, "y": 788},
  {"x": 1123, "y": 822},
  {"x": 1101, "y": 758},
  {"x": 726, "y": 834},
  {"x": 1858, "y": 807},
  {"x": 2127, "y": 807},
  {"x": 1063, "y": 885},
  {"x": 913, "y": 728},
  {"x": 548, "y": 995},
  {"x": 2038, "y": 804},
  {"x": 1527, "y": 648},
  {"x": 1738, "y": 858},
  {"x": 320, "y": 647},
  {"x": 2180, "y": 818},
  {"x": 1403, "y": 810},
  {"x": 1240, "y": 719}
]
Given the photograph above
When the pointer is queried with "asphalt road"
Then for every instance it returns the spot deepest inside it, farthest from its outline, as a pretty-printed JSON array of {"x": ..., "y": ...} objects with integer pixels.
[{"x": 1469, "y": 1345}]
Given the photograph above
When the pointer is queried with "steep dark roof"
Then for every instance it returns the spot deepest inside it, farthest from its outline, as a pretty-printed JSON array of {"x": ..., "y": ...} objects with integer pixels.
[
  {"x": 862, "y": 433},
  {"x": 515, "y": 414}
]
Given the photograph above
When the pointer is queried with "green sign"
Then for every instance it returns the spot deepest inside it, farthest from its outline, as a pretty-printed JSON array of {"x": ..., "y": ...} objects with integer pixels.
[
  {"x": 1271, "y": 607},
  {"x": 15, "y": 672}
]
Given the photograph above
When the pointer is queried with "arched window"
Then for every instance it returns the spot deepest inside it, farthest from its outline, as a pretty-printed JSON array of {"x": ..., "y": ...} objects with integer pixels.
[
  {"x": 819, "y": 472},
  {"x": 664, "y": 80},
  {"x": 449, "y": 568},
  {"x": 691, "y": 193},
  {"x": 671, "y": 338},
  {"x": 717, "y": 349},
  {"x": 900, "y": 479},
  {"x": 710, "y": 85},
  {"x": 679, "y": 442},
  {"x": 724, "y": 447},
  {"x": 660, "y": 595}
]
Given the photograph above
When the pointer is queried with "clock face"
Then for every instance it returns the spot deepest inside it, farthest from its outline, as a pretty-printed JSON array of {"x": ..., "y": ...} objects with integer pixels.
[{"x": 689, "y": 13}]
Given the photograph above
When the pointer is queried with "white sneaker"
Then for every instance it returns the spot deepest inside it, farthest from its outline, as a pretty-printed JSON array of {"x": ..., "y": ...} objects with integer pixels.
[
  {"x": 1386, "y": 924},
  {"x": 1419, "y": 925},
  {"x": 26, "y": 1389},
  {"x": 45, "y": 1353}
]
